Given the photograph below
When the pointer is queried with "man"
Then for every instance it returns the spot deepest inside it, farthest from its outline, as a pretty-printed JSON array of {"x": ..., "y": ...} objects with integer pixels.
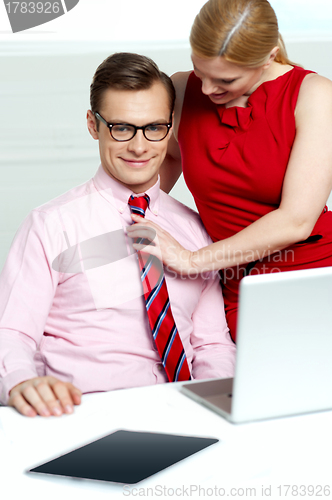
[{"x": 72, "y": 313}]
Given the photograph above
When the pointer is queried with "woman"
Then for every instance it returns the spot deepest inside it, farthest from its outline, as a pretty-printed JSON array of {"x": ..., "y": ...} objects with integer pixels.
[{"x": 254, "y": 138}]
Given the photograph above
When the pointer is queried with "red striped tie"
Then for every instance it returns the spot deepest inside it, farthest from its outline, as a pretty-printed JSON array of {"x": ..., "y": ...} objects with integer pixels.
[{"x": 164, "y": 331}]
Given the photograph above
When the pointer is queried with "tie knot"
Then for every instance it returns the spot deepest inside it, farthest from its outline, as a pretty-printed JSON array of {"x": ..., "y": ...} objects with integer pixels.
[{"x": 138, "y": 204}]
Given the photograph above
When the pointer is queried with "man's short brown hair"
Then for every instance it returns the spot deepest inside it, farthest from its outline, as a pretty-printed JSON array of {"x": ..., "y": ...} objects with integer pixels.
[{"x": 127, "y": 71}]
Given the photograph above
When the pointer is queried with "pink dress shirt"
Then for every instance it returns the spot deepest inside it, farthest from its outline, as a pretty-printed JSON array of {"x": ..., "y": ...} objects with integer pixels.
[{"x": 71, "y": 302}]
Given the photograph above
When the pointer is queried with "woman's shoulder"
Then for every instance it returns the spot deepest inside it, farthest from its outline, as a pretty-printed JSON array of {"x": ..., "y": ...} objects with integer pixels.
[
  {"x": 306, "y": 90},
  {"x": 315, "y": 91},
  {"x": 179, "y": 80},
  {"x": 313, "y": 82},
  {"x": 314, "y": 103}
]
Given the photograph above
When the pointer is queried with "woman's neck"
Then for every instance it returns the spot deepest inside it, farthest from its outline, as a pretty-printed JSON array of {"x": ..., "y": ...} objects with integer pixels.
[{"x": 271, "y": 73}]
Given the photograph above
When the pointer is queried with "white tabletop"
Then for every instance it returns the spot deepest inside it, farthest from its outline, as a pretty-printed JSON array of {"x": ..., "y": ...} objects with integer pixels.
[{"x": 276, "y": 453}]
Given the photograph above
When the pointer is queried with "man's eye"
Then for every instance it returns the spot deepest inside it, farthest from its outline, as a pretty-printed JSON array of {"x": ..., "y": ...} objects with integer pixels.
[
  {"x": 121, "y": 128},
  {"x": 227, "y": 82},
  {"x": 154, "y": 128}
]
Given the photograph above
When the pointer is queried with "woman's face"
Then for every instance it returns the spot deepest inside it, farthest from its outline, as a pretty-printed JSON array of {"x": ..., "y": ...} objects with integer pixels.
[{"x": 223, "y": 81}]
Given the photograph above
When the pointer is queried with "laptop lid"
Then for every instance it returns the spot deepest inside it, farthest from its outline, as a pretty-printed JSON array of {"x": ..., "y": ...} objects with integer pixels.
[
  {"x": 284, "y": 348},
  {"x": 284, "y": 341}
]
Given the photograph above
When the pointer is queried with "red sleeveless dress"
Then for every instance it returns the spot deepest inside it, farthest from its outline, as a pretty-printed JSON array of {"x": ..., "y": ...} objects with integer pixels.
[{"x": 234, "y": 162}]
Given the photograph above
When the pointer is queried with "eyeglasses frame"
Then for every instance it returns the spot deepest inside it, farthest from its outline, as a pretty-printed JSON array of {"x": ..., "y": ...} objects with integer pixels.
[{"x": 111, "y": 125}]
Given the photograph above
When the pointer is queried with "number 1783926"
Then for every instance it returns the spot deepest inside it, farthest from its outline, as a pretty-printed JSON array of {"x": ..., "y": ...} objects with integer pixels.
[{"x": 33, "y": 7}]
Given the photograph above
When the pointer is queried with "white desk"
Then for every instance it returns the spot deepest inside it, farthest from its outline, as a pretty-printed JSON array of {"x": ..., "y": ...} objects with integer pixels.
[{"x": 288, "y": 451}]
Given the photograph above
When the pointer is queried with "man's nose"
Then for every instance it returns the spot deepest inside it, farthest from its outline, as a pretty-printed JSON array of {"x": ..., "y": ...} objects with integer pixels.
[{"x": 138, "y": 144}]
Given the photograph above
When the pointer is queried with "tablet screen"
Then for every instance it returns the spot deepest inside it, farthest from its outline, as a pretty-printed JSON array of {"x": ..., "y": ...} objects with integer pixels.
[{"x": 125, "y": 456}]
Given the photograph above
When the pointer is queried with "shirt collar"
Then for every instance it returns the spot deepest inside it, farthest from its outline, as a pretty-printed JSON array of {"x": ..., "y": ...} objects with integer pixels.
[{"x": 118, "y": 195}]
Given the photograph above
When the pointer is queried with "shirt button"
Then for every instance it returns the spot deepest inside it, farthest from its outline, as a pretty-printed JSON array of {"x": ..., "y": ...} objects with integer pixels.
[
  {"x": 121, "y": 210},
  {"x": 160, "y": 367},
  {"x": 155, "y": 212}
]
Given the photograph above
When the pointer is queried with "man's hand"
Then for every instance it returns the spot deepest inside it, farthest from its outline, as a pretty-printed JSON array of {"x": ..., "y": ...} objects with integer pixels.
[{"x": 44, "y": 396}]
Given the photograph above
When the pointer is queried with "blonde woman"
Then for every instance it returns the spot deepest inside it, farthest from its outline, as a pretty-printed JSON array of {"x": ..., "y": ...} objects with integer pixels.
[{"x": 253, "y": 137}]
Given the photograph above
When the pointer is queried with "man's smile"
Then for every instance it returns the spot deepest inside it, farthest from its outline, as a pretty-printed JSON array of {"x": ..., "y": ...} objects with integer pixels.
[{"x": 136, "y": 162}]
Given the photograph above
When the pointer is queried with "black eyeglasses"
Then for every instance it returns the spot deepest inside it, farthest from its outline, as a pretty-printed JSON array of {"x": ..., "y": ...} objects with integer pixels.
[{"x": 125, "y": 131}]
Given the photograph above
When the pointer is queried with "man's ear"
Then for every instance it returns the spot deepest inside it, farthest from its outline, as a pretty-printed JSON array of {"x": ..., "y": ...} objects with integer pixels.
[
  {"x": 92, "y": 124},
  {"x": 172, "y": 128}
]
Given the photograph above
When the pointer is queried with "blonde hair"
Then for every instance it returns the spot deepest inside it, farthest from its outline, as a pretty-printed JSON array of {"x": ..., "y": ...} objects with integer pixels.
[{"x": 242, "y": 31}]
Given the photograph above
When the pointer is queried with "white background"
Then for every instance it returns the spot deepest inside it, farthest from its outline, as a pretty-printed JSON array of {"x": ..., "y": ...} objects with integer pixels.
[{"x": 137, "y": 20}]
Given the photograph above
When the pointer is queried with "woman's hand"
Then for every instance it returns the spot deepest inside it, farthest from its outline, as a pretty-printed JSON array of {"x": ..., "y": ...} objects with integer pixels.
[{"x": 163, "y": 246}]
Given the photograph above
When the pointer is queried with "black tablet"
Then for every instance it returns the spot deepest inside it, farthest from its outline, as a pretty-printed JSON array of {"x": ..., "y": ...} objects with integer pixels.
[{"x": 124, "y": 456}]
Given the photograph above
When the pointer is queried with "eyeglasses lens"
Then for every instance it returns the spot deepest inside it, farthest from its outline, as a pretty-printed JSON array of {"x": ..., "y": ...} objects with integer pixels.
[{"x": 151, "y": 132}]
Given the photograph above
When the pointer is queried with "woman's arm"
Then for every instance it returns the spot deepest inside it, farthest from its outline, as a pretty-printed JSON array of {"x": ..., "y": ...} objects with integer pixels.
[
  {"x": 171, "y": 168},
  {"x": 307, "y": 185}
]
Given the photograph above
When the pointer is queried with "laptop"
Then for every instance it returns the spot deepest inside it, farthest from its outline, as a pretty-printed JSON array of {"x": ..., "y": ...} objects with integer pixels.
[{"x": 284, "y": 349}]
